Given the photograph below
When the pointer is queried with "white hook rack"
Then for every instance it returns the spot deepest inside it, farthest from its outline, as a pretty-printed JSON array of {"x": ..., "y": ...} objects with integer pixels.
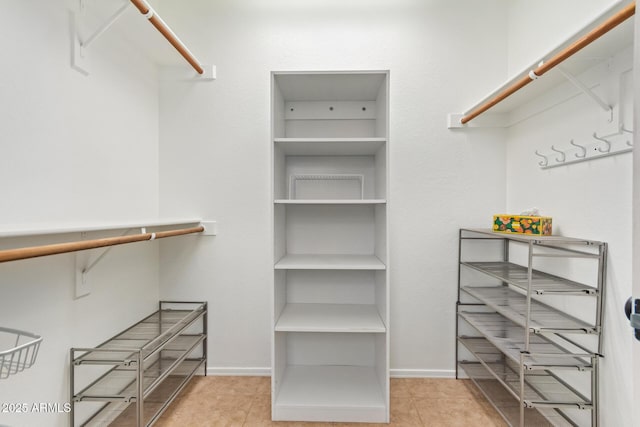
[{"x": 582, "y": 153}]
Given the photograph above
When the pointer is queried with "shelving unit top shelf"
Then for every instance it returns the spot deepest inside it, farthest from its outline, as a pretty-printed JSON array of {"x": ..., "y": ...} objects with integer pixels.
[
  {"x": 526, "y": 238},
  {"x": 329, "y": 86},
  {"x": 147, "y": 335}
]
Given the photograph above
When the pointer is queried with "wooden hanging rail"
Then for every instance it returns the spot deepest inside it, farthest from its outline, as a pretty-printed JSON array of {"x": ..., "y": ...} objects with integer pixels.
[
  {"x": 61, "y": 248},
  {"x": 160, "y": 25},
  {"x": 615, "y": 20}
]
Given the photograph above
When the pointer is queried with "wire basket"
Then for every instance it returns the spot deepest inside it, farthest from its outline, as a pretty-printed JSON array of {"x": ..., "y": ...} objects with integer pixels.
[{"x": 21, "y": 353}]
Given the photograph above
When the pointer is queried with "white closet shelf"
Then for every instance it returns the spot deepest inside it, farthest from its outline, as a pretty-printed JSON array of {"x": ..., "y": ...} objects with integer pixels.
[
  {"x": 329, "y": 262},
  {"x": 45, "y": 229},
  {"x": 341, "y": 393},
  {"x": 312, "y": 317},
  {"x": 600, "y": 50},
  {"x": 329, "y": 146},
  {"x": 330, "y": 202}
]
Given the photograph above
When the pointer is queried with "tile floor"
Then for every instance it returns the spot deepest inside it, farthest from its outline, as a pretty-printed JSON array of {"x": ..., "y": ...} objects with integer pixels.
[{"x": 246, "y": 401}]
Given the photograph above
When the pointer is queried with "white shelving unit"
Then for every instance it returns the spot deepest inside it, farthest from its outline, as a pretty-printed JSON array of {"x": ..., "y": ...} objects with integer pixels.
[{"x": 331, "y": 275}]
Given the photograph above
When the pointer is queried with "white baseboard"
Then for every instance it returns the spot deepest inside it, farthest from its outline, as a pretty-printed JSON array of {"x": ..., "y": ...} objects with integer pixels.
[
  {"x": 241, "y": 372},
  {"x": 422, "y": 373},
  {"x": 394, "y": 373}
]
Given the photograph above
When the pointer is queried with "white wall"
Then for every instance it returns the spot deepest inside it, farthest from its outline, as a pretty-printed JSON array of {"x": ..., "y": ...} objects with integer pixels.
[
  {"x": 536, "y": 28},
  {"x": 591, "y": 199},
  {"x": 73, "y": 149},
  {"x": 214, "y": 156}
]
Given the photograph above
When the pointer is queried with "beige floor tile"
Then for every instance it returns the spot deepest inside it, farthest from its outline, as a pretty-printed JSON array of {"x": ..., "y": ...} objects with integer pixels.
[
  {"x": 208, "y": 410},
  {"x": 246, "y": 401},
  {"x": 400, "y": 387},
  {"x": 440, "y": 388},
  {"x": 452, "y": 413}
]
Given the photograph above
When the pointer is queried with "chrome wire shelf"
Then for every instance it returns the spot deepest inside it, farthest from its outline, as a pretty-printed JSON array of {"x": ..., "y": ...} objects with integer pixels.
[
  {"x": 509, "y": 338},
  {"x": 147, "y": 335},
  {"x": 20, "y": 353},
  {"x": 508, "y": 406},
  {"x": 513, "y": 306},
  {"x": 541, "y": 283},
  {"x": 541, "y": 388},
  {"x": 137, "y": 373},
  {"x": 527, "y": 238}
]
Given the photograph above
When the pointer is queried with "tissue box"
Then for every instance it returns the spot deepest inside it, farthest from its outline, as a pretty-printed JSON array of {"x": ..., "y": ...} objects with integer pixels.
[{"x": 522, "y": 224}]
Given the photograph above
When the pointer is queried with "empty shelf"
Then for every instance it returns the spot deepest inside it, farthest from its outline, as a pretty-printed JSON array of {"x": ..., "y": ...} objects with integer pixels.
[
  {"x": 507, "y": 405},
  {"x": 330, "y": 393},
  {"x": 148, "y": 335},
  {"x": 541, "y": 388},
  {"x": 119, "y": 384},
  {"x": 541, "y": 283},
  {"x": 121, "y": 351},
  {"x": 329, "y": 146},
  {"x": 508, "y": 337},
  {"x": 329, "y": 262},
  {"x": 330, "y": 318},
  {"x": 123, "y": 414},
  {"x": 513, "y": 306},
  {"x": 526, "y": 238}
]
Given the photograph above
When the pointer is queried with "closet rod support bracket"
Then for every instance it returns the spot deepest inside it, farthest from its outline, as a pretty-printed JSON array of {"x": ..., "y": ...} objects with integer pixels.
[
  {"x": 587, "y": 91},
  {"x": 210, "y": 228}
]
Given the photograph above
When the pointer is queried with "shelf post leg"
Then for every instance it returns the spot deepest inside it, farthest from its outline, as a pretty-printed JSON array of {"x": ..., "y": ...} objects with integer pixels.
[{"x": 140, "y": 391}]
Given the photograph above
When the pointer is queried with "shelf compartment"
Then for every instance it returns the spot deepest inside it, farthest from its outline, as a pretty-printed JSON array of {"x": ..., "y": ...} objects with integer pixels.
[
  {"x": 123, "y": 414},
  {"x": 513, "y": 306},
  {"x": 119, "y": 383},
  {"x": 310, "y": 317},
  {"x": 326, "y": 186},
  {"x": 541, "y": 388},
  {"x": 541, "y": 283},
  {"x": 330, "y": 393},
  {"x": 329, "y": 262},
  {"x": 148, "y": 334},
  {"x": 506, "y": 404},
  {"x": 329, "y": 146},
  {"x": 508, "y": 337}
]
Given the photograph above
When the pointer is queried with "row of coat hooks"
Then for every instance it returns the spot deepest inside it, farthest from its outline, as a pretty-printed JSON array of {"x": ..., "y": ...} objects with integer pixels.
[{"x": 603, "y": 147}]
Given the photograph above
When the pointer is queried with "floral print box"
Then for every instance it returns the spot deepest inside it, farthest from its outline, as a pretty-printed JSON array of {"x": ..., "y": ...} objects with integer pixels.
[{"x": 538, "y": 225}]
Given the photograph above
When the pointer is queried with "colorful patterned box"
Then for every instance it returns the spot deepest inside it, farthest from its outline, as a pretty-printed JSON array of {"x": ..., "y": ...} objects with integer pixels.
[{"x": 505, "y": 223}]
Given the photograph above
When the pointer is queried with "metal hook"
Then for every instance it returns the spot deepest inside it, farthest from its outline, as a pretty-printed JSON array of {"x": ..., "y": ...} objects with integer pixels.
[
  {"x": 581, "y": 147},
  {"x": 559, "y": 159},
  {"x": 544, "y": 162},
  {"x": 605, "y": 141}
]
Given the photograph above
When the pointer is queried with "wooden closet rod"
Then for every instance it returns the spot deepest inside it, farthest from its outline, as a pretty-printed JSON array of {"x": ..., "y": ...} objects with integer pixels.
[
  {"x": 157, "y": 22},
  {"x": 624, "y": 14},
  {"x": 62, "y": 248}
]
